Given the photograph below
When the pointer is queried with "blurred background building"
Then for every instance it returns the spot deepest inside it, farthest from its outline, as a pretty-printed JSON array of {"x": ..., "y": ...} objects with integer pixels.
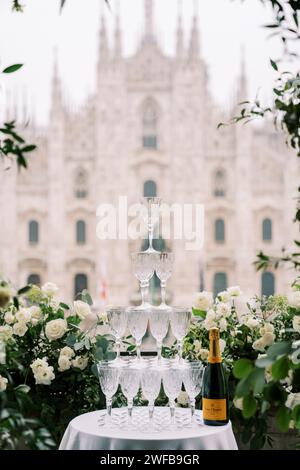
[{"x": 149, "y": 129}]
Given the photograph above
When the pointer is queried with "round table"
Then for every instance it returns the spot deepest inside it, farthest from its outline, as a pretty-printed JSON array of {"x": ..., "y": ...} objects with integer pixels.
[{"x": 88, "y": 432}]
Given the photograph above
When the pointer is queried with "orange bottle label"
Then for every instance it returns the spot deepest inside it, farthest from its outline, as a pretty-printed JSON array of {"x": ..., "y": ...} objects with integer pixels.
[{"x": 214, "y": 409}]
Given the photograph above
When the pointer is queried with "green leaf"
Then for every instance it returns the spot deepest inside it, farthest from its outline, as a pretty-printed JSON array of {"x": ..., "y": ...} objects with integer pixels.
[
  {"x": 86, "y": 297},
  {"x": 99, "y": 355},
  {"x": 283, "y": 418},
  {"x": 242, "y": 368},
  {"x": 274, "y": 65},
  {"x": 22, "y": 389},
  {"x": 102, "y": 342},
  {"x": 24, "y": 290},
  {"x": 278, "y": 349},
  {"x": 264, "y": 362},
  {"x": 16, "y": 302},
  {"x": 243, "y": 388},
  {"x": 65, "y": 306},
  {"x": 12, "y": 68},
  {"x": 257, "y": 380},
  {"x": 296, "y": 416},
  {"x": 280, "y": 368},
  {"x": 249, "y": 406},
  {"x": 78, "y": 346},
  {"x": 29, "y": 148},
  {"x": 94, "y": 370},
  {"x": 71, "y": 340},
  {"x": 199, "y": 313}
]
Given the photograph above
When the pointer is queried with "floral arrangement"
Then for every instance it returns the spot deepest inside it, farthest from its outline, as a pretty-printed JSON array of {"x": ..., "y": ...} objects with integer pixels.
[
  {"x": 260, "y": 347},
  {"x": 47, "y": 371}
]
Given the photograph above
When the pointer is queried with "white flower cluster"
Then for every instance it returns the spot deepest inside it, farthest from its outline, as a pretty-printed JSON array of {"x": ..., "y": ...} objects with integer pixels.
[
  {"x": 17, "y": 323},
  {"x": 293, "y": 400},
  {"x": 296, "y": 323},
  {"x": 65, "y": 360},
  {"x": 43, "y": 373},
  {"x": 3, "y": 383}
]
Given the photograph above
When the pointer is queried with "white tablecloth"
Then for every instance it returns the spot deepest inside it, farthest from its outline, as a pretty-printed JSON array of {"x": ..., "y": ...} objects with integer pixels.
[{"x": 86, "y": 432}]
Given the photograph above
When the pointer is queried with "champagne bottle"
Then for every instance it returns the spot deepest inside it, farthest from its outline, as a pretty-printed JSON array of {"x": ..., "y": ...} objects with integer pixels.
[{"x": 215, "y": 393}]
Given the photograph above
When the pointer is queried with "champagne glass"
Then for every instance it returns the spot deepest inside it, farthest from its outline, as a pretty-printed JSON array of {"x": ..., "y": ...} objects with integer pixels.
[
  {"x": 180, "y": 320},
  {"x": 109, "y": 381},
  {"x": 117, "y": 319},
  {"x": 143, "y": 267},
  {"x": 172, "y": 383},
  {"x": 130, "y": 383},
  {"x": 159, "y": 325},
  {"x": 164, "y": 267},
  {"x": 192, "y": 380},
  {"x": 152, "y": 205},
  {"x": 151, "y": 383},
  {"x": 137, "y": 324}
]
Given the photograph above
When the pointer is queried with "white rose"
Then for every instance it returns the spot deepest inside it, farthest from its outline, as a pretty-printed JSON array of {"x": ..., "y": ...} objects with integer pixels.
[
  {"x": 203, "y": 354},
  {"x": 223, "y": 324},
  {"x": 204, "y": 300},
  {"x": 238, "y": 403},
  {"x": 68, "y": 352},
  {"x": 9, "y": 318},
  {"x": 44, "y": 376},
  {"x": 3, "y": 383},
  {"x": 210, "y": 315},
  {"x": 64, "y": 363},
  {"x": 223, "y": 310},
  {"x": 267, "y": 328},
  {"x": 222, "y": 345},
  {"x": 39, "y": 364},
  {"x": 294, "y": 299},
  {"x": 6, "y": 332},
  {"x": 55, "y": 329},
  {"x": 197, "y": 346},
  {"x": 293, "y": 400},
  {"x": 224, "y": 296},
  {"x": 50, "y": 289},
  {"x": 103, "y": 317},
  {"x": 268, "y": 338},
  {"x": 36, "y": 314},
  {"x": 252, "y": 322},
  {"x": 183, "y": 399},
  {"x": 234, "y": 291},
  {"x": 259, "y": 345},
  {"x": 23, "y": 315},
  {"x": 80, "y": 362},
  {"x": 81, "y": 309},
  {"x": 209, "y": 324},
  {"x": 296, "y": 323},
  {"x": 19, "y": 329}
]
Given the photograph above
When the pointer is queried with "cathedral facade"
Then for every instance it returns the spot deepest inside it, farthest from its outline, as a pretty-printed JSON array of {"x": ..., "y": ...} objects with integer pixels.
[{"x": 149, "y": 129}]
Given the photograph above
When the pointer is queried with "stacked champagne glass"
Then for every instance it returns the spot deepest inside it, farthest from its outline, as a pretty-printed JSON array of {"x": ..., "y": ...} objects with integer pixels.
[{"x": 136, "y": 373}]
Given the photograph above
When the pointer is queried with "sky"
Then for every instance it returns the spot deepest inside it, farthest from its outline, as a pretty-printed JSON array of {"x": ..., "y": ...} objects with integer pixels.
[{"x": 226, "y": 27}]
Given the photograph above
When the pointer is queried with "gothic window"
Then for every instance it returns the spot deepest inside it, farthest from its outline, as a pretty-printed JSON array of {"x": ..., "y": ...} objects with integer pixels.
[
  {"x": 80, "y": 283},
  {"x": 267, "y": 230},
  {"x": 33, "y": 232},
  {"x": 150, "y": 140},
  {"x": 220, "y": 283},
  {"x": 34, "y": 279},
  {"x": 81, "y": 184},
  {"x": 267, "y": 284},
  {"x": 150, "y": 189},
  {"x": 80, "y": 232},
  {"x": 219, "y": 183},
  {"x": 220, "y": 231}
]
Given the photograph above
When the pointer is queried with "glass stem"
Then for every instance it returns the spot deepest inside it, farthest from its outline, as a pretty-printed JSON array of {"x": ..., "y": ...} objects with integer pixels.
[
  {"x": 108, "y": 409},
  {"x": 159, "y": 348},
  {"x": 118, "y": 347},
  {"x": 163, "y": 292},
  {"x": 150, "y": 230},
  {"x": 138, "y": 349},
  {"x": 151, "y": 412},
  {"x": 180, "y": 349},
  {"x": 193, "y": 406},
  {"x": 172, "y": 411},
  {"x": 144, "y": 291},
  {"x": 130, "y": 408}
]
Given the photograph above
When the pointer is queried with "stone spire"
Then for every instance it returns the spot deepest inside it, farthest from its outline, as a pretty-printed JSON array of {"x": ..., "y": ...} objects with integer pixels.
[
  {"x": 194, "y": 49},
  {"x": 56, "y": 84},
  {"x": 104, "y": 47},
  {"x": 149, "y": 21},
  {"x": 243, "y": 85},
  {"x": 118, "y": 35},
  {"x": 179, "y": 42}
]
